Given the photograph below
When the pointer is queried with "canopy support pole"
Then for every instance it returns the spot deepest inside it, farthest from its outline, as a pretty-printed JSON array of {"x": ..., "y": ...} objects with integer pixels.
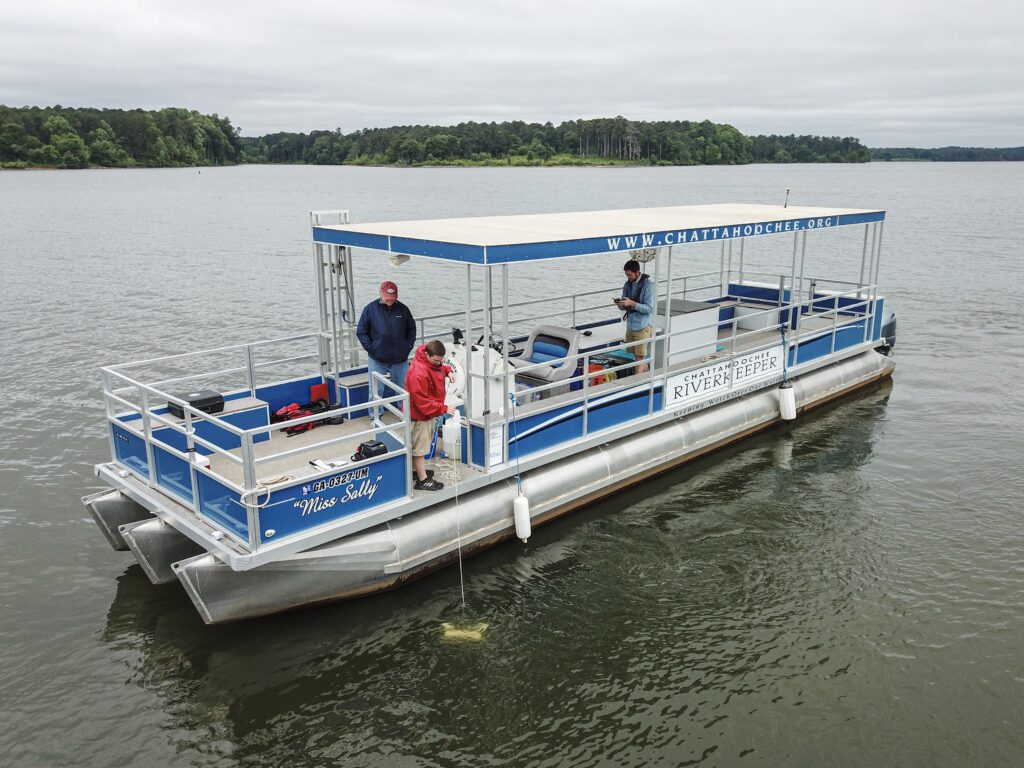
[{"x": 468, "y": 341}]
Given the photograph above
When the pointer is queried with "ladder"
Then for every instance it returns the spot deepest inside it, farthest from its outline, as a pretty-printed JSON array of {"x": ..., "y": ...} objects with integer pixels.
[{"x": 337, "y": 343}]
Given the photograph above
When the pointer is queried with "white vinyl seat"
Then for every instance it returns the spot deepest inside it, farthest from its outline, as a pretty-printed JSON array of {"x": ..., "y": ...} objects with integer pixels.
[{"x": 549, "y": 344}]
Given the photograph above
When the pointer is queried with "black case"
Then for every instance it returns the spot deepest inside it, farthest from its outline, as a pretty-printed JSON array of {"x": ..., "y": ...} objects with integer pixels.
[
  {"x": 205, "y": 400},
  {"x": 369, "y": 450}
]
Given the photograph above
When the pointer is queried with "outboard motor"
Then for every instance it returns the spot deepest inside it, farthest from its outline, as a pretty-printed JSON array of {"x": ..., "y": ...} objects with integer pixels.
[{"x": 888, "y": 334}]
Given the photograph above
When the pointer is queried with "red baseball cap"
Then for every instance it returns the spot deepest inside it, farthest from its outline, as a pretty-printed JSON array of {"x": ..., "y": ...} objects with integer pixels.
[{"x": 389, "y": 288}]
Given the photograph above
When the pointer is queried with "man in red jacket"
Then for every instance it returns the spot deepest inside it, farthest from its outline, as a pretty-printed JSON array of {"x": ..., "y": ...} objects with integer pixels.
[{"x": 425, "y": 384}]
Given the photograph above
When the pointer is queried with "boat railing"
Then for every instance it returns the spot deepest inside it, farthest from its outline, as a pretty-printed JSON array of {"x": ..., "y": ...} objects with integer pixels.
[
  {"x": 440, "y": 325},
  {"x": 178, "y": 455},
  {"x": 579, "y": 308},
  {"x": 832, "y": 300},
  {"x": 855, "y": 304},
  {"x": 147, "y": 401},
  {"x": 137, "y": 401},
  {"x": 144, "y": 412},
  {"x": 247, "y": 349}
]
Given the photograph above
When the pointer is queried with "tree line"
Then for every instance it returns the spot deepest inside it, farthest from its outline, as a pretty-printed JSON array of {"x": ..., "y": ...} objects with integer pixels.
[
  {"x": 62, "y": 137},
  {"x": 604, "y": 140},
  {"x": 79, "y": 138},
  {"x": 948, "y": 154}
]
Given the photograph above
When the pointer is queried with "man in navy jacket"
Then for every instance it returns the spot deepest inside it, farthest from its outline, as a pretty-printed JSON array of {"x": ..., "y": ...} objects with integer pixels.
[{"x": 387, "y": 331}]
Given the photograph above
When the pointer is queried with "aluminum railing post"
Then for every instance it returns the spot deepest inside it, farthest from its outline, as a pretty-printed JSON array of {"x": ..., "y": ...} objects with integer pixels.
[
  {"x": 250, "y": 370},
  {"x": 652, "y": 369},
  {"x": 251, "y": 495},
  {"x": 871, "y": 254},
  {"x": 407, "y": 424},
  {"x": 728, "y": 271},
  {"x": 874, "y": 282},
  {"x": 190, "y": 451},
  {"x": 108, "y": 407},
  {"x": 148, "y": 432},
  {"x": 721, "y": 270},
  {"x": 586, "y": 391},
  {"x": 666, "y": 348},
  {"x": 800, "y": 283},
  {"x": 792, "y": 277},
  {"x": 506, "y": 409},
  {"x": 469, "y": 363},
  {"x": 835, "y": 322},
  {"x": 488, "y": 331},
  {"x": 863, "y": 259}
]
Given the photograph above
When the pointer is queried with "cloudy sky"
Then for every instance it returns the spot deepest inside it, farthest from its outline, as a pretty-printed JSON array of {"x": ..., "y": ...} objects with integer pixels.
[{"x": 890, "y": 72}]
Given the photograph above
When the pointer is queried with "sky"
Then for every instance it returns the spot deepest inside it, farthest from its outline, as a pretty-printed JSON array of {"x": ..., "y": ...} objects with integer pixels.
[{"x": 890, "y": 72}]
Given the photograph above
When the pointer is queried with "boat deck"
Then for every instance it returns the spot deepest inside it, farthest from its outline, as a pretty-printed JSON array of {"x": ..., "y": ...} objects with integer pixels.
[{"x": 338, "y": 451}]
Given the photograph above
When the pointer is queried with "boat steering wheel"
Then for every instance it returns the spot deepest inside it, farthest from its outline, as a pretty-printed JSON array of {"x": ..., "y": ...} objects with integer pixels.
[{"x": 498, "y": 344}]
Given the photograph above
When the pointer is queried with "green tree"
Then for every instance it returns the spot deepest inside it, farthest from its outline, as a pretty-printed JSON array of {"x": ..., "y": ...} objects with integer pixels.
[
  {"x": 537, "y": 150},
  {"x": 408, "y": 151},
  {"x": 104, "y": 149},
  {"x": 67, "y": 144},
  {"x": 15, "y": 142},
  {"x": 322, "y": 152},
  {"x": 442, "y": 146},
  {"x": 44, "y": 154}
]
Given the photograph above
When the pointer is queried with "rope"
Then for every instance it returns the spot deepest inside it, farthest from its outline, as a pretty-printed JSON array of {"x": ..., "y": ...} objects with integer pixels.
[
  {"x": 451, "y": 476},
  {"x": 458, "y": 529},
  {"x": 264, "y": 485},
  {"x": 515, "y": 429}
]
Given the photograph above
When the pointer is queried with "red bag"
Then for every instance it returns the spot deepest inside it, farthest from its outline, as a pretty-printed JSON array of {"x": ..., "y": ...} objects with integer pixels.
[
  {"x": 294, "y": 411},
  {"x": 285, "y": 413}
]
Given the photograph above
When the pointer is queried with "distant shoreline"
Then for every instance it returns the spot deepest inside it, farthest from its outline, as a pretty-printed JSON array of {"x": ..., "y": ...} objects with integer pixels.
[
  {"x": 469, "y": 164},
  {"x": 50, "y": 138}
]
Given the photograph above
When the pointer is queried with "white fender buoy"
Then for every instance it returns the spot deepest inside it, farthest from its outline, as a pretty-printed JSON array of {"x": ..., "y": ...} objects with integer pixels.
[
  {"x": 521, "y": 513},
  {"x": 451, "y": 437},
  {"x": 787, "y": 401}
]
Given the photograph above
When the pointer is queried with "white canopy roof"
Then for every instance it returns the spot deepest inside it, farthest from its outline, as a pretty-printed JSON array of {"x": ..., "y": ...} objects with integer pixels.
[{"x": 503, "y": 239}]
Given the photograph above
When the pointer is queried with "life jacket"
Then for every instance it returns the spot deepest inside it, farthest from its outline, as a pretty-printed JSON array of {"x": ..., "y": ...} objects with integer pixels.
[
  {"x": 296, "y": 411},
  {"x": 635, "y": 290}
]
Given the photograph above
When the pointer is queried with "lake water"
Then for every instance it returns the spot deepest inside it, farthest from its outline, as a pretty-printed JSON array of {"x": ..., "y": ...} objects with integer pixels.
[{"x": 847, "y": 590}]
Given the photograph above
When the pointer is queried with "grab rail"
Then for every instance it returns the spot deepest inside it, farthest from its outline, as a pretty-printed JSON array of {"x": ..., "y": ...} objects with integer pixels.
[{"x": 861, "y": 309}]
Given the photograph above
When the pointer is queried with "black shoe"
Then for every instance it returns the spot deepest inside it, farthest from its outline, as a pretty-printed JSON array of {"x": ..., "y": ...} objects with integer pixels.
[
  {"x": 430, "y": 484},
  {"x": 430, "y": 473}
]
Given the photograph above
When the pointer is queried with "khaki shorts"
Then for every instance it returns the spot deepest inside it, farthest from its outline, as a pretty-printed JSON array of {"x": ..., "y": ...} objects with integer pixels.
[
  {"x": 422, "y": 435},
  {"x": 640, "y": 350}
]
